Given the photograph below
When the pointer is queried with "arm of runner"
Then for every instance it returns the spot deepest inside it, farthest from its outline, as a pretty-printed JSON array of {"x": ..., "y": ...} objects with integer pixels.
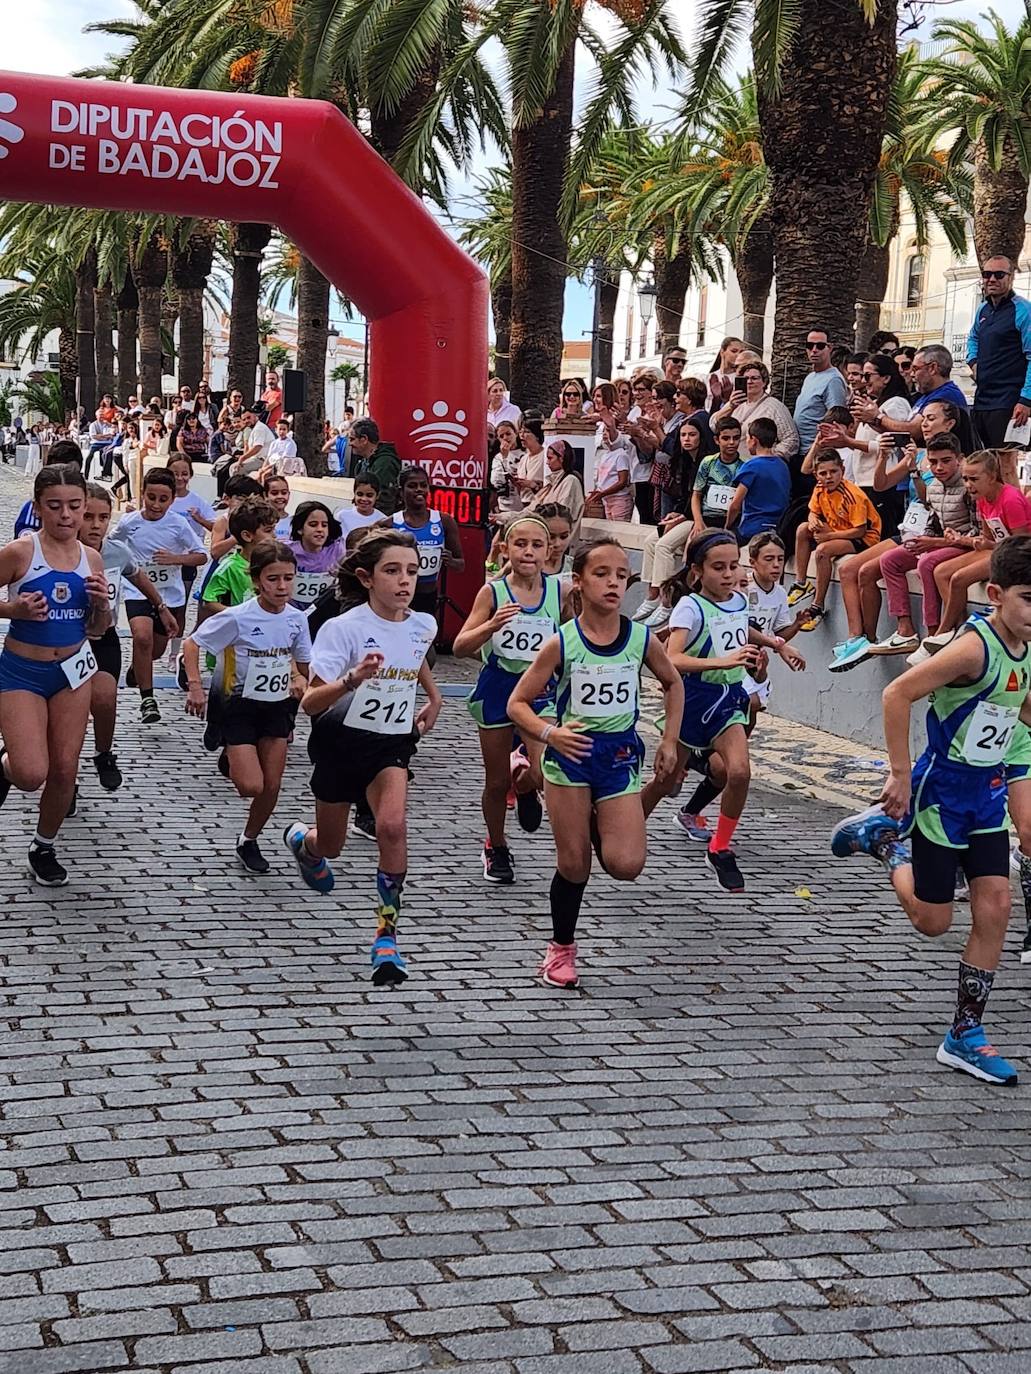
[
  {"x": 686, "y": 663},
  {"x": 482, "y": 623},
  {"x": 454, "y": 558},
  {"x": 426, "y": 718},
  {"x": 672, "y": 704},
  {"x": 568, "y": 739},
  {"x": 321, "y": 695}
]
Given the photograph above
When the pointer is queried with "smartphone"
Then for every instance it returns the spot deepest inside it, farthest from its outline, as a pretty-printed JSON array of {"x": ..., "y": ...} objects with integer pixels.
[
  {"x": 740, "y": 386},
  {"x": 901, "y": 439}
]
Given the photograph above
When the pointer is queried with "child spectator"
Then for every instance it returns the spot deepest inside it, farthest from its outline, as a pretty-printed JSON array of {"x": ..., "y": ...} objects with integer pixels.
[
  {"x": 842, "y": 520},
  {"x": 763, "y": 484},
  {"x": 716, "y": 477}
]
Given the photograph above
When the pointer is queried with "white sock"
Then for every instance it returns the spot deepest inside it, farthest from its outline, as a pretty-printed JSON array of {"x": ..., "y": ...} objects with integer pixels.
[
  {"x": 244, "y": 838},
  {"x": 41, "y": 841}
]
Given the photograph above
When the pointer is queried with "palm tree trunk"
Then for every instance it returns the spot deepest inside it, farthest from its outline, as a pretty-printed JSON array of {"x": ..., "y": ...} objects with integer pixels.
[
  {"x": 870, "y": 289},
  {"x": 191, "y": 267},
  {"x": 672, "y": 279},
  {"x": 85, "y": 327},
  {"x": 540, "y": 157},
  {"x": 149, "y": 269},
  {"x": 169, "y": 320},
  {"x": 1000, "y": 199},
  {"x": 67, "y": 367},
  {"x": 822, "y": 142},
  {"x": 249, "y": 242},
  {"x": 501, "y": 308},
  {"x": 104, "y": 335},
  {"x": 312, "y": 343},
  {"x": 608, "y": 298},
  {"x": 127, "y": 303},
  {"x": 753, "y": 265}
]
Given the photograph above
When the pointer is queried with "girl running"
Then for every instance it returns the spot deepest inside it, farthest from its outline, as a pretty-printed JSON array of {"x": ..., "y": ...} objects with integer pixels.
[
  {"x": 317, "y": 541},
  {"x": 277, "y": 494},
  {"x": 436, "y": 536},
  {"x": 163, "y": 544},
  {"x": 365, "y": 669},
  {"x": 263, "y": 649},
  {"x": 592, "y": 764},
  {"x": 119, "y": 567},
  {"x": 712, "y": 645},
  {"x": 47, "y": 662},
  {"x": 510, "y": 621}
]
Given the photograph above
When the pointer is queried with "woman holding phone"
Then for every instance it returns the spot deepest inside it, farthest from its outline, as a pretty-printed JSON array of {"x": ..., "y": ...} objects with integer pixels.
[
  {"x": 878, "y": 413},
  {"x": 751, "y": 400}
]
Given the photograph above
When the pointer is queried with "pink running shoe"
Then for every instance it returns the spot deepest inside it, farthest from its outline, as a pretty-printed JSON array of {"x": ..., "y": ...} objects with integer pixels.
[{"x": 558, "y": 967}]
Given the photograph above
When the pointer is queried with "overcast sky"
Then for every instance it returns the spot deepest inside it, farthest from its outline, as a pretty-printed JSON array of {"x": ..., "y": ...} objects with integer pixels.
[{"x": 46, "y": 36}]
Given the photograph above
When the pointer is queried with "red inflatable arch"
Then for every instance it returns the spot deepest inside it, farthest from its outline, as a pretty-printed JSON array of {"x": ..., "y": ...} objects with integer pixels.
[{"x": 301, "y": 165}]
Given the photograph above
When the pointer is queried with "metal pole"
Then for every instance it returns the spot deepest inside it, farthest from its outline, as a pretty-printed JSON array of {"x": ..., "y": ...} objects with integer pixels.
[{"x": 598, "y": 271}]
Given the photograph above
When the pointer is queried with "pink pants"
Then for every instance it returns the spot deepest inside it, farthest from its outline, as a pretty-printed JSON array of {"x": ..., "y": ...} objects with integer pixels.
[{"x": 894, "y": 566}]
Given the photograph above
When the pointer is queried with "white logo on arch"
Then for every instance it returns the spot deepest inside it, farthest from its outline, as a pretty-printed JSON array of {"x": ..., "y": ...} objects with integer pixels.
[
  {"x": 9, "y": 133},
  {"x": 440, "y": 432}
]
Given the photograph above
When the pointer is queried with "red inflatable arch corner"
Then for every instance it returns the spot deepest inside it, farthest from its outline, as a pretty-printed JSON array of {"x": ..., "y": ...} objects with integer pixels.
[{"x": 298, "y": 164}]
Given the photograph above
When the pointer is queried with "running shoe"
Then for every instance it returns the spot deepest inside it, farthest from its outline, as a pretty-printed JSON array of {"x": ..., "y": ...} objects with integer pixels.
[
  {"x": 857, "y": 834},
  {"x": 694, "y": 827},
  {"x": 659, "y": 617},
  {"x": 44, "y": 867},
  {"x": 388, "y": 964},
  {"x": 315, "y": 872},
  {"x": 497, "y": 864},
  {"x": 812, "y": 621},
  {"x": 932, "y": 643},
  {"x": 970, "y": 1052},
  {"x": 130, "y": 676},
  {"x": 646, "y": 608},
  {"x": 1025, "y": 949},
  {"x": 558, "y": 967},
  {"x": 850, "y": 654},
  {"x": 251, "y": 857},
  {"x": 364, "y": 822},
  {"x": 961, "y": 891},
  {"x": 223, "y": 763},
  {"x": 798, "y": 591},
  {"x": 212, "y": 738},
  {"x": 149, "y": 713},
  {"x": 529, "y": 810},
  {"x": 919, "y": 656},
  {"x": 896, "y": 644},
  {"x": 73, "y": 805},
  {"x": 724, "y": 865},
  {"x": 5, "y": 786},
  {"x": 180, "y": 672},
  {"x": 108, "y": 771}
]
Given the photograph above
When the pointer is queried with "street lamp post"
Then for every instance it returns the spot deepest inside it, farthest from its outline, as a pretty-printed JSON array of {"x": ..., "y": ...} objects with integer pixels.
[{"x": 598, "y": 273}]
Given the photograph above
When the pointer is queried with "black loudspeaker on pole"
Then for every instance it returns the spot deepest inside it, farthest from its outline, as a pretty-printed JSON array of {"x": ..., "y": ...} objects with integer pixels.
[{"x": 295, "y": 390}]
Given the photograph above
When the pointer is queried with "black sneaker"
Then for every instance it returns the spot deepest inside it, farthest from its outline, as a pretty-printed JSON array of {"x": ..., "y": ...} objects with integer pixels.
[
  {"x": 223, "y": 764},
  {"x": 497, "y": 864},
  {"x": 180, "y": 672},
  {"x": 44, "y": 867},
  {"x": 529, "y": 811},
  {"x": 251, "y": 857},
  {"x": 108, "y": 771},
  {"x": 1025, "y": 949},
  {"x": 724, "y": 865},
  {"x": 364, "y": 823},
  {"x": 130, "y": 676},
  {"x": 149, "y": 713},
  {"x": 73, "y": 805},
  {"x": 212, "y": 737},
  {"x": 5, "y": 786}
]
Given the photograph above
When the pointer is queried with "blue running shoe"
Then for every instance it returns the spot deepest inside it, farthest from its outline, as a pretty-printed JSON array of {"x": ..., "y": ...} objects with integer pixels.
[
  {"x": 694, "y": 827},
  {"x": 971, "y": 1053},
  {"x": 316, "y": 873},
  {"x": 388, "y": 964},
  {"x": 856, "y": 834}
]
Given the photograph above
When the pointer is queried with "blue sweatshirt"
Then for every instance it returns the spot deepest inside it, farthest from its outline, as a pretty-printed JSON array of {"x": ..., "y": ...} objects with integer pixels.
[{"x": 1000, "y": 344}]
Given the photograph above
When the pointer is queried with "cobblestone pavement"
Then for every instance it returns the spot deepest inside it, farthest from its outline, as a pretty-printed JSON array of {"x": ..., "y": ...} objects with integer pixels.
[{"x": 223, "y": 1152}]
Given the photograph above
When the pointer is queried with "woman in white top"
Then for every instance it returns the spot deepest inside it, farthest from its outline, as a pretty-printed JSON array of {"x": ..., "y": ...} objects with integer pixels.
[
  {"x": 877, "y": 413},
  {"x": 499, "y": 407},
  {"x": 530, "y": 474},
  {"x": 752, "y": 401},
  {"x": 562, "y": 486},
  {"x": 721, "y": 378},
  {"x": 614, "y": 455},
  {"x": 505, "y": 466}
]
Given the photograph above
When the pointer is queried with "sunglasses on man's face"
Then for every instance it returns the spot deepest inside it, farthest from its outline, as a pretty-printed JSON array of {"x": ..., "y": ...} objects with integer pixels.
[
  {"x": 678, "y": 362},
  {"x": 996, "y": 274},
  {"x": 815, "y": 343}
]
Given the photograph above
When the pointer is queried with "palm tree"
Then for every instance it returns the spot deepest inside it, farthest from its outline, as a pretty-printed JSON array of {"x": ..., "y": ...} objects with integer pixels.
[
  {"x": 934, "y": 187},
  {"x": 103, "y": 336},
  {"x": 149, "y": 260},
  {"x": 42, "y": 300},
  {"x": 192, "y": 254},
  {"x": 7, "y": 390},
  {"x": 41, "y": 394},
  {"x": 347, "y": 373},
  {"x": 981, "y": 88},
  {"x": 85, "y": 322},
  {"x": 127, "y": 304},
  {"x": 249, "y": 242},
  {"x": 823, "y": 85}
]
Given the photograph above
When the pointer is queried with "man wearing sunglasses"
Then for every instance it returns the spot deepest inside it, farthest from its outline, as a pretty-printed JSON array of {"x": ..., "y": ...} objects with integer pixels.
[
  {"x": 999, "y": 354},
  {"x": 823, "y": 388}
]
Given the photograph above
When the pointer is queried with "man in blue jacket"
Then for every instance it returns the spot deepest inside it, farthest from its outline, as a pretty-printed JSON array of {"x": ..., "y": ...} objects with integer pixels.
[{"x": 999, "y": 354}]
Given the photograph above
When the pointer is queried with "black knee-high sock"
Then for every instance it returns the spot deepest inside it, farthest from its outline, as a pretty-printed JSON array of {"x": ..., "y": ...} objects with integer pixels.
[
  {"x": 565, "y": 908},
  {"x": 704, "y": 793}
]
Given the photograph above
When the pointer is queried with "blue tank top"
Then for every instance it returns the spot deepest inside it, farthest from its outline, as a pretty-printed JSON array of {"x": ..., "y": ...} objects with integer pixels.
[
  {"x": 431, "y": 541},
  {"x": 67, "y": 602}
]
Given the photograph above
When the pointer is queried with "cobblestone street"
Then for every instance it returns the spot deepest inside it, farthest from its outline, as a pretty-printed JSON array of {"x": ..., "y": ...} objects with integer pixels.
[{"x": 223, "y": 1152}]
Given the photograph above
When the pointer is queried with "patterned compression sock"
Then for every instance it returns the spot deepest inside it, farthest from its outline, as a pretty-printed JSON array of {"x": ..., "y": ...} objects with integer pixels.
[
  {"x": 974, "y": 986},
  {"x": 388, "y": 911},
  {"x": 891, "y": 852},
  {"x": 1025, "y": 883}
]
